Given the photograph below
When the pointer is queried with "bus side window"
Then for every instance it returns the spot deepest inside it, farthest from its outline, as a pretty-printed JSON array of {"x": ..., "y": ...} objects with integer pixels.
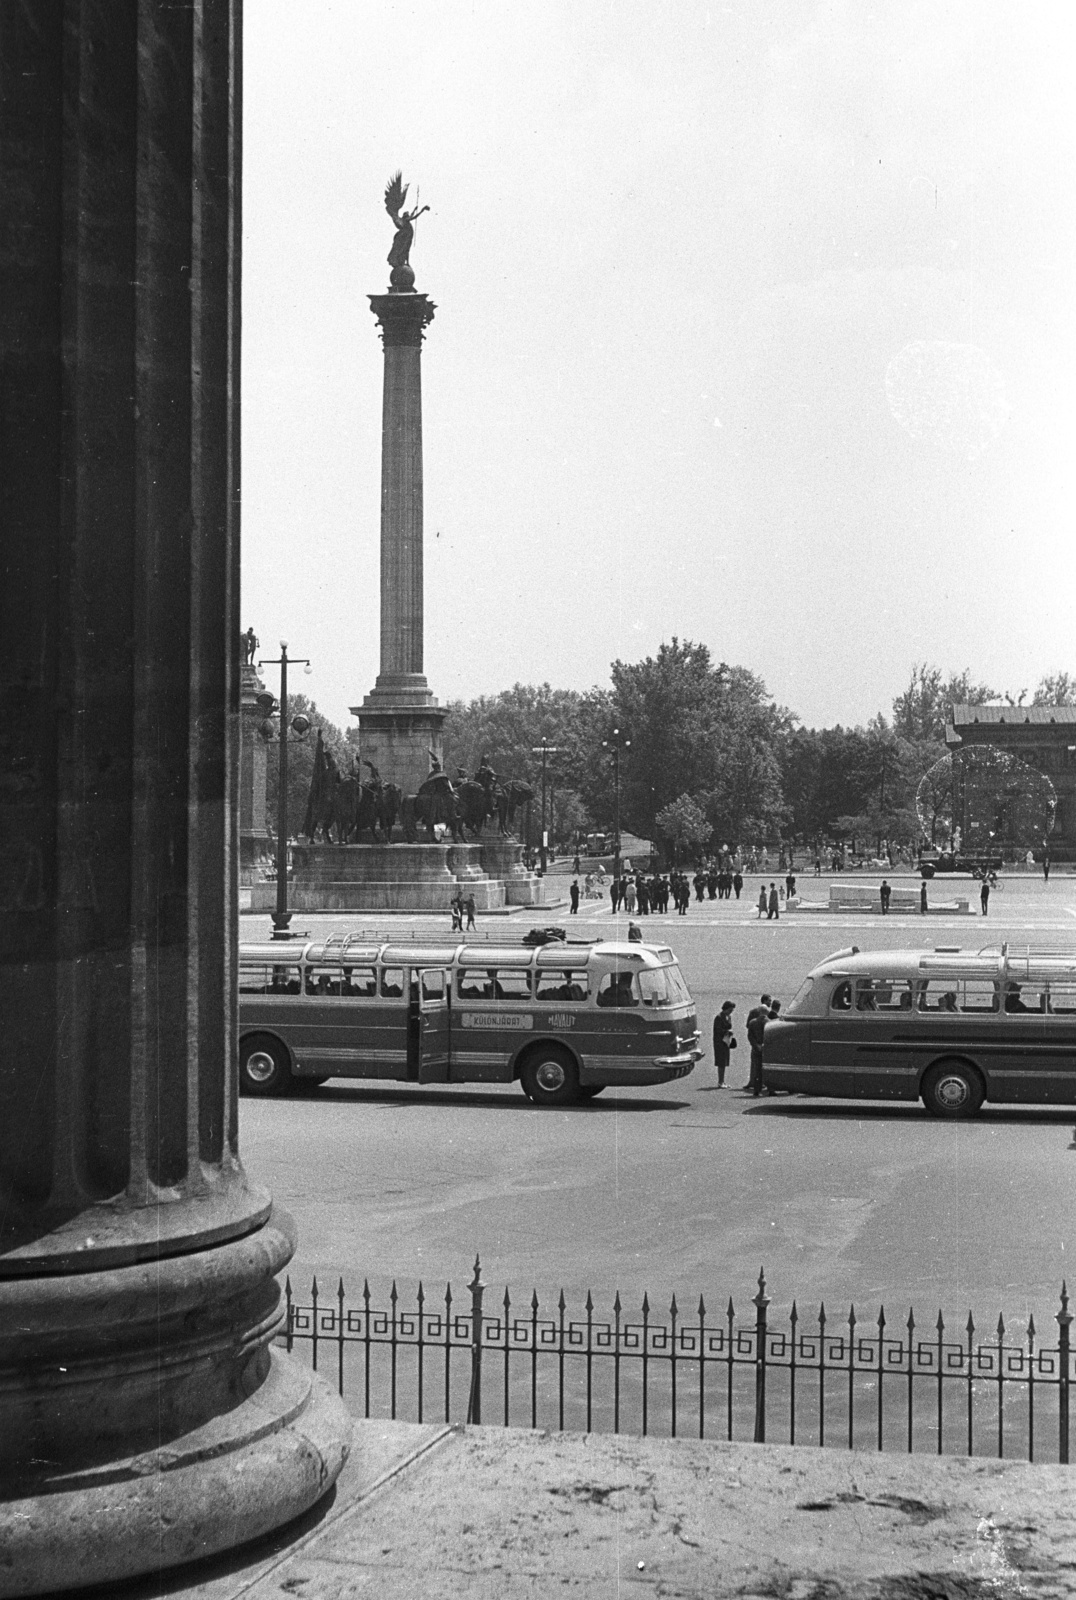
[
  {"x": 865, "y": 1000},
  {"x": 978, "y": 995},
  {"x": 1062, "y": 999},
  {"x": 841, "y": 998},
  {"x": 511, "y": 983},
  {"x": 322, "y": 981},
  {"x": 433, "y": 985},
  {"x": 474, "y": 983},
  {"x": 360, "y": 982},
  {"x": 285, "y": 980},
  {"x": 392, "y": 983},
  {"x": 617, "y": 989},
  {"x": 255, "y": 980},
  {"x": 553, "y": 985}
]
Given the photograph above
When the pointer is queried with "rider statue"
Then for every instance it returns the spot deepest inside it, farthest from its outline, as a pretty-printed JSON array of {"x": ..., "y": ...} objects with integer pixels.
[{"x": 486, "y": 777}]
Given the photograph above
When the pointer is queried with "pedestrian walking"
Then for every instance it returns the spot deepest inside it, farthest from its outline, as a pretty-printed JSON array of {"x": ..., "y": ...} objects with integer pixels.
[
  {"x": 573, "y": 895},
  {"x": 1046, "y": 869},
  {"x": 923, "y": 898},
  {"x": 790, "y": 884},
  {"x": 469, "y": 903},
  {"x": 614, "y": 894},
  {"x": 629, "y": 896},
  {"x": 761, "y": 902},
  {"x": 756, "y": 1030},
  {"x": 456, "y": 906},
  {"x": 737, "y": 882},
  {"x": 723, "y": 1040},
  {"x": 773, "y": 908},
  {"x": 576, "y": 868},
  {"x": 984, "y": 895},
  {"x": 884, "y": 892}
]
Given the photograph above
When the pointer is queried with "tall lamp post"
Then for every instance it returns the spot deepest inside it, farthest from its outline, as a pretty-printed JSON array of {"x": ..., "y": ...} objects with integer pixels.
[
  {"x": 616, "y": 743},
  {"x": 282, "y": 916},
  {"x": 544, "y": 750}
]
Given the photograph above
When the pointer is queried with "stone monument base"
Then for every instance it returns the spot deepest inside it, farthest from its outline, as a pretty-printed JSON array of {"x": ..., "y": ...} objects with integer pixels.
[{"x": 404, "y": 877}]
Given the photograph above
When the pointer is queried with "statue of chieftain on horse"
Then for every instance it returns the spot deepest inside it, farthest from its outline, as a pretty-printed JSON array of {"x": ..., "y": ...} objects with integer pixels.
[
  {"x": 341, "y": 808},
  {"x": 463, "y": 807}
]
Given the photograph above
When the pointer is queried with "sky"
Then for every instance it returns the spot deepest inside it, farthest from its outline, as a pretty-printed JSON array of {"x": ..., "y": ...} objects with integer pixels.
[{"x": 754, "y": 326}]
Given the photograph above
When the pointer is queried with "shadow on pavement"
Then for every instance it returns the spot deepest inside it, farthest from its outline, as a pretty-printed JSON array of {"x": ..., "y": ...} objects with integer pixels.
[
  {"x": 366, "y": 1094},
  {"x": 909, "y": 1111}
]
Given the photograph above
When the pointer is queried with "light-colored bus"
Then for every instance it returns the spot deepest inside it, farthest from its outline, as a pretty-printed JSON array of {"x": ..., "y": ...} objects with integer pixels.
[
  {"x": 566, "y": 1020},
  {"x": 948, "y": 1026}
]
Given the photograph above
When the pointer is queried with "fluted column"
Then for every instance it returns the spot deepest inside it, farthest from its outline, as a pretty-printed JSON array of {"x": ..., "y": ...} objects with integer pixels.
[
  {"x": 400, "y": 722},
  {"x": 137, "y": 1296}
]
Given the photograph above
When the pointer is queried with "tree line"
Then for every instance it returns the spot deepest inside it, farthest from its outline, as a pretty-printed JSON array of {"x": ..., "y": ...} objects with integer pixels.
[{"x": 706, "y": 756}]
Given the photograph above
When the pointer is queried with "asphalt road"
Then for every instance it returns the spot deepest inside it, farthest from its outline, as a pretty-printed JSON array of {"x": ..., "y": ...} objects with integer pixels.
[{"x": 682, "y": 1189}]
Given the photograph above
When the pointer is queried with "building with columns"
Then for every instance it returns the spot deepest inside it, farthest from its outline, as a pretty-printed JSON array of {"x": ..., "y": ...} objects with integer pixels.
[{"x": 1042, "y": 736}]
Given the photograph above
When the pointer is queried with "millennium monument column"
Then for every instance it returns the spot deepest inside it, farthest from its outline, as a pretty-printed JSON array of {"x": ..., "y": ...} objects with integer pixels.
[
  {"x": 400, "y": 722},
  {"x": 145, "y": 1418}
]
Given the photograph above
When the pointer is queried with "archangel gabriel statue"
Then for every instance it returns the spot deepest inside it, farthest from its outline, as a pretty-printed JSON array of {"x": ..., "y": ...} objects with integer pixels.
[{"x": 402, "y": 276}]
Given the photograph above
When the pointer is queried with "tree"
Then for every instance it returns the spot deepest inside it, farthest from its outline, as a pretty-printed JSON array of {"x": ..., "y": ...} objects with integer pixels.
[
  {"x": 1057, "y": 690},
  {"x": 701, "y": 730},
  {"x": 683, "y": 823},
  {"x": 922, "y": 711}
]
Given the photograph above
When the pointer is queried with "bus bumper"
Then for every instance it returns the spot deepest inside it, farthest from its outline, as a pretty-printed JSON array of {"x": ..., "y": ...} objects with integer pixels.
[{"x": 622, "y": 1074}]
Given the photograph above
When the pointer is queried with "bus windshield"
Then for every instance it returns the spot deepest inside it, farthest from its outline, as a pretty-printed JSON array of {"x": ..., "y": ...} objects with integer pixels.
[{"x": 663, "y": 986}]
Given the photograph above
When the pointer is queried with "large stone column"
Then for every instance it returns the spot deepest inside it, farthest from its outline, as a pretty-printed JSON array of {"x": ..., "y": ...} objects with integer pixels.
[
  {"x": 400, "y": 721},
  {"x": 144, "y": 1418}
]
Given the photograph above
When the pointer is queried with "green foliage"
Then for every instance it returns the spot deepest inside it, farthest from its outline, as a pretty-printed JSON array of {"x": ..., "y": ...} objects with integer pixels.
[
  {"x": 701, "y": 730},
  {"x": 683, "y": 823},
  {"x": 1056, "y": 690},
  {"x": 923, "y": 710}
]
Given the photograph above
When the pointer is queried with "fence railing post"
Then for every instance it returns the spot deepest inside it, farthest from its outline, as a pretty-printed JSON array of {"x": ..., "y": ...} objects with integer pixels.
[
  {"x": 761, "y": 1302},
  {"x": 1064, "y": 1320},
  {"x": 474, "y": 1401}
]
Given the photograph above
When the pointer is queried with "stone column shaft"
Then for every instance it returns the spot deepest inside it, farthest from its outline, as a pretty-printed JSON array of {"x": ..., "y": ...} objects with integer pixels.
[
  {"x": 144, "y": 1416},
  {"x": 401, "y": 512}
]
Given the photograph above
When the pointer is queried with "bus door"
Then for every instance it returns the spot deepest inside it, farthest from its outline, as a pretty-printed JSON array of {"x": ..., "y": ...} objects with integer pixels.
[{"x": 433, "y": 1034}]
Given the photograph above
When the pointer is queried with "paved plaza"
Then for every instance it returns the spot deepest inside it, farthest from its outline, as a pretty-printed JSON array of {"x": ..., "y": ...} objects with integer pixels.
[{"x": 681, "y": 1188}]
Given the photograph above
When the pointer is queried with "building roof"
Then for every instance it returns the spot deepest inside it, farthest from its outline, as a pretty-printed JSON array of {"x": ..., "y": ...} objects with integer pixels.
[{"x": 1041, "y": 716}]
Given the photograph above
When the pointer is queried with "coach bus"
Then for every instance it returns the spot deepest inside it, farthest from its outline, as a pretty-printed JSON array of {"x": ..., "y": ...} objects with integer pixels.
[
  {"x": 567, "y": 1020},
  {"x": 951, "y": 1027}
]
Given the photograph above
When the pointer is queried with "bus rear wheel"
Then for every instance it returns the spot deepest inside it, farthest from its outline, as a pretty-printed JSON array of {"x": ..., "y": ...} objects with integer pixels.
[
  {"x": 952, "y": 1089},
  {"x": 264, "y": 1068},
  {"x": 550, "y": 1078}
]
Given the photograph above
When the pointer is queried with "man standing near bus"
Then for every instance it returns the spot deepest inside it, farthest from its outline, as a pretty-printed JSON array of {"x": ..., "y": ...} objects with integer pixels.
[
  {"x": 574, "y": 896},
  {"x": 723, "y": 1040},
  {"x": 756, "y": 1028},
  {"x": 984, "y": 893}
]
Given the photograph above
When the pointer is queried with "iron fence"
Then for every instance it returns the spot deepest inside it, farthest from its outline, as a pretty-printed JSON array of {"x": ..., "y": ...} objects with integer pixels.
[{"x": 863, "y": 1384}]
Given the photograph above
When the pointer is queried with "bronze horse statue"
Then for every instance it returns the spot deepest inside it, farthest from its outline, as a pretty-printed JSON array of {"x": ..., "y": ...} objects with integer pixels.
[{"x": 436, "y": 803}]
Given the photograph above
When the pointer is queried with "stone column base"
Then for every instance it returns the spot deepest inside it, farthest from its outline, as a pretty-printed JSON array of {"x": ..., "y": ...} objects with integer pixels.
[
  {"x": 145, "y": 1420},
  {"x": 224, "y": 1484}
]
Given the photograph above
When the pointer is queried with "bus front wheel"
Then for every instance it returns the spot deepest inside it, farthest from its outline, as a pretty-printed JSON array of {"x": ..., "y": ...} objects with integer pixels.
[
  {"x": 588, "y": 1091},
  {"x": 952, "y": 1089},
  {"x": 264, "y": 1067},
  {"x": 550, "y": 1078}
]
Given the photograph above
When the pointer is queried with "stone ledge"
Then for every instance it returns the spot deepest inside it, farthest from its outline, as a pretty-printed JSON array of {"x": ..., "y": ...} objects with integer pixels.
[{"x": 496, "y": 1512}]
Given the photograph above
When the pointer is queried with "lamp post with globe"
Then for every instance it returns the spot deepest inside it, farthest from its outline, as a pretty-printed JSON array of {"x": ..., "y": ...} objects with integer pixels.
[
  {"x": 616, "y": 743},
  {"x": 299, "y": 725}
]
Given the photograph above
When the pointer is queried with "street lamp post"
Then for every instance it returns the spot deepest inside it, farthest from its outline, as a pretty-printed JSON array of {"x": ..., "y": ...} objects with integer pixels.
[
  {"x": 616, "y": 743},
  {"x": 544, "y": 749},
  {"x": 282, "y": 916}
]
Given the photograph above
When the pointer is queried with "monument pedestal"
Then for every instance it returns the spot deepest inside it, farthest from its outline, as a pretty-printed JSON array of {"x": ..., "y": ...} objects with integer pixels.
[{"x": 388, "y": 877}]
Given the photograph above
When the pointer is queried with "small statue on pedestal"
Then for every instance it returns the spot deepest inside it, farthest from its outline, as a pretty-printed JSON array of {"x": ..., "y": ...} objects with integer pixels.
[{"x": 249, "y": 643}]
